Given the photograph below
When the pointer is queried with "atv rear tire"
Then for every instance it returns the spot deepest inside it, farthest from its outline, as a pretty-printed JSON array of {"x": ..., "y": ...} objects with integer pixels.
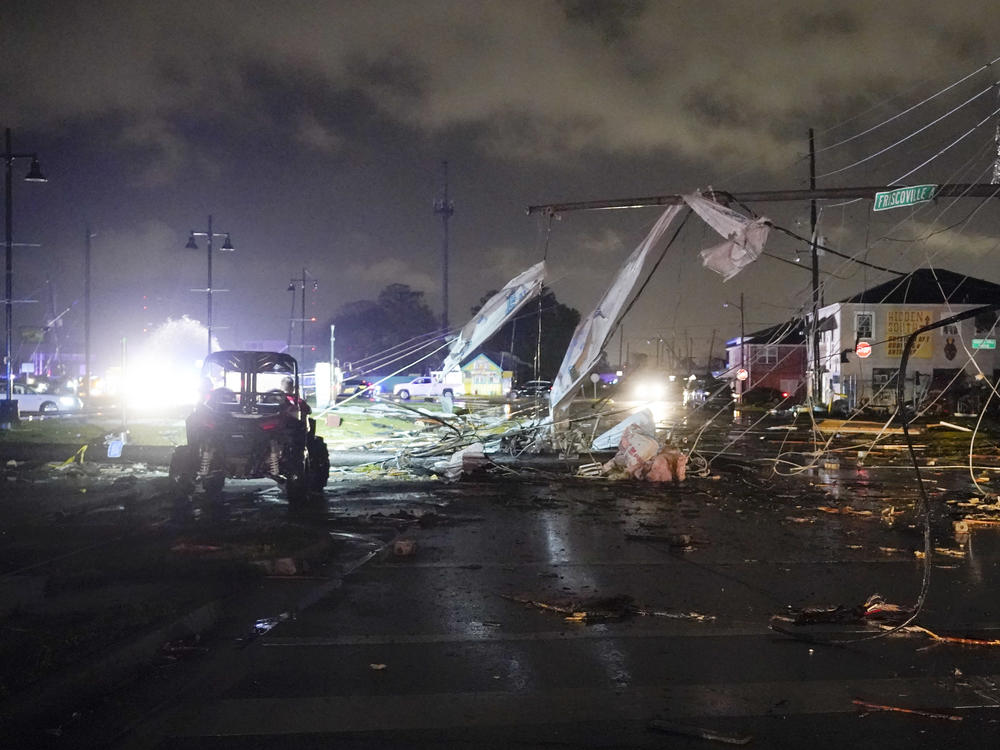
[
  {"x": 317, "y": 464},
  {"x": 182, "y": 469},
  {"x": 213, "y": 484}
]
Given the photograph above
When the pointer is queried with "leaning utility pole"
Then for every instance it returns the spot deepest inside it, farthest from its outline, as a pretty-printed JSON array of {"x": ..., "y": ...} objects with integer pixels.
[
  {"x": 817, "y": 381},
  {"x": 444, "y": 208}
]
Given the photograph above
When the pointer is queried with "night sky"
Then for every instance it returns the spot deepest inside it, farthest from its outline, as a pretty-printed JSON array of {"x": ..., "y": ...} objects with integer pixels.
[{"x": 314, "y": 133}]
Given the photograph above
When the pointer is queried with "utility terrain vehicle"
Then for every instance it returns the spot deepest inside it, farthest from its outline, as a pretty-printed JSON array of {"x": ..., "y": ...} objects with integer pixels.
[{"x": 251, "y": 423}]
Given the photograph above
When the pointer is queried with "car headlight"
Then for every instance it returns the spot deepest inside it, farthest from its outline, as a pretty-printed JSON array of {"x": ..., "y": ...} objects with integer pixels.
[
  {"x": 67, "y": 401},
  {"x": 650, "y": 391}
]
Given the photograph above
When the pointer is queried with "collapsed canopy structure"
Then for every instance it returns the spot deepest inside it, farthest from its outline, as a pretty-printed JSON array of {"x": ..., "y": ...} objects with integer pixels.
[
  {"x": 498, "y": 309},
  {"x": 745, "y": 240}
]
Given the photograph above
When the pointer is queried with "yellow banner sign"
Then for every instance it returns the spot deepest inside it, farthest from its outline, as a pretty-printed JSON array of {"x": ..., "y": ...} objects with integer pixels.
[{"x": 900, "y": 324}]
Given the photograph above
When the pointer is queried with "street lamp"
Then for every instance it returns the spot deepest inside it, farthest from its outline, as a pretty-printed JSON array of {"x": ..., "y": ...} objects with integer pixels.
[
  {"x": 227, "y": 246},
  {"x": 300, "y": 283},
  {"x": 8, "y": 410},
  {"x": 743, "y": 336}
]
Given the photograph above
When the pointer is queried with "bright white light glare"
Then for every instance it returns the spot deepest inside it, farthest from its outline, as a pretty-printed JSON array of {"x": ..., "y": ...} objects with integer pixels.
[
  {"x": 661, "y": 410},
  {"x": 153, "y": 383},
  {"x": 650, "y": 390}
]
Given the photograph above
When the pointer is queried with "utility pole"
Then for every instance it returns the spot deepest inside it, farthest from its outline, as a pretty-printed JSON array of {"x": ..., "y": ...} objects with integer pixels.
[
  {"x": 444, "y": 208},
  {"x": 711, "y": 346},
  {"x": 86, "y": 310},
  {"x": 817, "y": 374}
]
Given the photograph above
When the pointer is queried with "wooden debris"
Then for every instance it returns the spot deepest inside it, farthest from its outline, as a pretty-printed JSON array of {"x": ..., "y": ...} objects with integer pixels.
[
  {"x": 951, "y": 638},
  {"x": 880, "y": 707},
  {"x": 850, "y": 426},
  {"x": 691, "y": 731}
]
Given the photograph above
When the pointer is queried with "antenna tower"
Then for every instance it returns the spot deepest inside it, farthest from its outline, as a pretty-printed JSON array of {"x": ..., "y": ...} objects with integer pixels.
[{"x": 444, "y": 208}]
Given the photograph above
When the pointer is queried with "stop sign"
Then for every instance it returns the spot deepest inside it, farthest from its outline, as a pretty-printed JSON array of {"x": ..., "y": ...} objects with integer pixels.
[
  {"x": 742, "y": 374},
  {"x": 863, "y": 349}
]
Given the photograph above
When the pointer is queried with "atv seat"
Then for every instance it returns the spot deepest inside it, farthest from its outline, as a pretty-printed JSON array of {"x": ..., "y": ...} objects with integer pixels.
[{"x": 223, "y": 399}]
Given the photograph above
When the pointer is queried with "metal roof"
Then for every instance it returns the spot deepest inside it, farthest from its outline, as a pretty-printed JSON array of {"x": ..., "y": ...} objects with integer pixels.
[{"x": 929, "y": 286}]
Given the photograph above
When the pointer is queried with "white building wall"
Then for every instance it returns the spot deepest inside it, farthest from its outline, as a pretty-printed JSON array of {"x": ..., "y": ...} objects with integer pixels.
[{"x": 858, "y": 379}]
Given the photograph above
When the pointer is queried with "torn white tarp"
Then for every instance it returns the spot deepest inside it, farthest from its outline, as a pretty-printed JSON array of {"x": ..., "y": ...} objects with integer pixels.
[
  {"x": 594, "y": 330},
  {"x": 611, "y": 438},
  {"x": 498, "y": 310},
  {"x": 745, "y": 237}
]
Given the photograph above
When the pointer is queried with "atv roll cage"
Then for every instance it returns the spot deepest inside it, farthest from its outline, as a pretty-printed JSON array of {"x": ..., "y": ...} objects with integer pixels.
[{"x": 251, "y": 423}]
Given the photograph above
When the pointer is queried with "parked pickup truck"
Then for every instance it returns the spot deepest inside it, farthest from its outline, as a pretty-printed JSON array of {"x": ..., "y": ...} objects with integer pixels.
[{"x": 423, "y": 387}]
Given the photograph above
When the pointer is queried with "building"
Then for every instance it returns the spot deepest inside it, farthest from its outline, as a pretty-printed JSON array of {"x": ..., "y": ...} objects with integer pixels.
[
  {"x": 862, "y": 338},
  {"x": 484, "y": 377},
  {"x": 774, "y": 360}
]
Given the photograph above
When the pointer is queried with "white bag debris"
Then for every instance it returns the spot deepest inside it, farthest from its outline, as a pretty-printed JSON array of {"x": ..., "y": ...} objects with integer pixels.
[
  {"x": 467, "y": 459},
  {"x": 612, "y": 438},
  {"x": 640, "y": 456}
]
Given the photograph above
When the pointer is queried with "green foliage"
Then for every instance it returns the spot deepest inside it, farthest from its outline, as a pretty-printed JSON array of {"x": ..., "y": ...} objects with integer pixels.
[
  {"x": 367, "y": 327},
  {"x": 520, "y": 335}
]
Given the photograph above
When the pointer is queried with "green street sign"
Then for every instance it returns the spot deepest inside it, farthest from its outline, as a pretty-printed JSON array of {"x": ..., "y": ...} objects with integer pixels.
[
  {"x": 906, "y": 196},
  {"x": 984, "y": 343}
]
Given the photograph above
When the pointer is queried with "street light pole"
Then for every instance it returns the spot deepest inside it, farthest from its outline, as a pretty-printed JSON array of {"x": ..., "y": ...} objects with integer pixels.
[
  {"x": 300, "y": 283},
  {"x": 8, "y": 411},
  {"x": 227, "y": 246},
  {"x": 743, "y": 335}
]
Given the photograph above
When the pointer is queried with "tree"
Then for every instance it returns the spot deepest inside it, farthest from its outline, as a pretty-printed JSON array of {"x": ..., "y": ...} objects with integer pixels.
[
  {"x": 519, "y": 336},
  {"x": 368, "y": 327}
]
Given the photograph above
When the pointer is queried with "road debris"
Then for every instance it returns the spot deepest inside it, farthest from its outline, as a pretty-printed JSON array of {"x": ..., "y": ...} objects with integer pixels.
[
  {"x": 681, "y": 541},
  {"x": 874, "y": 608},
  {"x": 597, "y": 609},
  {"x": 898, "y": 709},
  {"x": 640, "y": 456},
  {"x": 687, "y": 730},
  {"x": 961, "y": 641},
  {"x": 182, "y": 648},
  {"x": 404, "y": 547}
]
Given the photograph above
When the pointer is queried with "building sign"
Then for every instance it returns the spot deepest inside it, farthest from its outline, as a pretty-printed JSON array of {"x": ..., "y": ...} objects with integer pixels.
[
  {"x": 899, "y": 325},
  {"x": 984, "y": 343},
  {"x": 906, "y": 196},
  {"x": 863, "y": 349}
]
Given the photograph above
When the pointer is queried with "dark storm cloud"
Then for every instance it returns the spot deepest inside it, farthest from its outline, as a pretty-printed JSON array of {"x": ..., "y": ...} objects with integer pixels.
[
  {"x": 314, "y": 131},
  {"x": 708, "y": 70},
  {"x": 611, "y": 17}
]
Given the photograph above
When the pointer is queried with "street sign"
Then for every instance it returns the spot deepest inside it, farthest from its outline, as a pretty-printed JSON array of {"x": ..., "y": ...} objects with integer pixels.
[
  {"x": 742, "y": 374},
  {"x": 984, "y": 343},
  {"x": 905, "y": 196},
  {"x": 863, "y": 349}
]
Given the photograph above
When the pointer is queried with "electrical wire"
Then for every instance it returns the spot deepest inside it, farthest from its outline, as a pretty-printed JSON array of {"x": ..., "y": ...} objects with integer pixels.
[
  {"x": 907, "y": 137},
  {"x": 906, "y": 111}
]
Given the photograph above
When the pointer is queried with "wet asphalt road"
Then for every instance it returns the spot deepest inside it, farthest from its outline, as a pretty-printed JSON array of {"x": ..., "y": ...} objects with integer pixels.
[{"x": 439, "y": 649}]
